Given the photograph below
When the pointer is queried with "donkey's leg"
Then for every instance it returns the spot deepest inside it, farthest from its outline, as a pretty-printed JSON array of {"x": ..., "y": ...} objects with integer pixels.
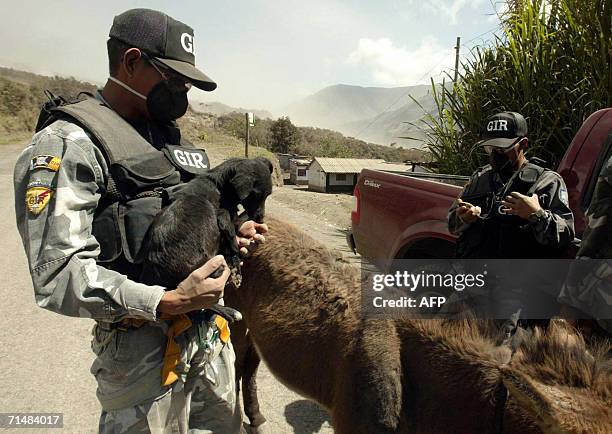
[{"x": 371, "y": 403}]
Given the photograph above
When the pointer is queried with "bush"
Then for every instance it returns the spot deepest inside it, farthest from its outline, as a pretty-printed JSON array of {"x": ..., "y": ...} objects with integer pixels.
[{"x": 552, "y": 64}]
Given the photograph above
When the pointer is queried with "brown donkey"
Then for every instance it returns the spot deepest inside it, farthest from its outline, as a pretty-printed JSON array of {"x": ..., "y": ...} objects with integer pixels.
[{"x": 301, "y": 304}]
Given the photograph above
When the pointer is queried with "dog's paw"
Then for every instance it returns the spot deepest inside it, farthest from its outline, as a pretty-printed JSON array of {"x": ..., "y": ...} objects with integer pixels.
[
  {"x": 236, "y": 277},
  {"x": 230, "y": 314}
]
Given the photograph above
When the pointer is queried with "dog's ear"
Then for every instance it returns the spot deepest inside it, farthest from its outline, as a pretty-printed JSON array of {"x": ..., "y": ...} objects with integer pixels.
[
  {"x": 242, "y": 184},
  {"x": 267, "y": 162}
]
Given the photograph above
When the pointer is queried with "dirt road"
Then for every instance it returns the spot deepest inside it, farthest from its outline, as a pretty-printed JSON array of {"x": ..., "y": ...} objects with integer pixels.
[{"x": 45, "y": 357}]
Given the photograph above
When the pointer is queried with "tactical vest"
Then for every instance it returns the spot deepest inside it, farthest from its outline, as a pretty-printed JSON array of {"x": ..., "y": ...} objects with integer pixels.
[
  {"x": 141, "y": 179},
  {"x": 501, "y": 235}
]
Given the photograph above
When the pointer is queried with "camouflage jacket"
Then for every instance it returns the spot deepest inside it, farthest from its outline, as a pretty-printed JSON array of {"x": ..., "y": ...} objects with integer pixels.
[
  {"x": 58, "y": 180},
  {"x": 589, "y": 283},
  {"x": 555, "y": 230}
]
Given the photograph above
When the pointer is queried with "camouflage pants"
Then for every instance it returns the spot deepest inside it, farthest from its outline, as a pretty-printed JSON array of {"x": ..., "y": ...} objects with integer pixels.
[{"x": 128, "y": 371}]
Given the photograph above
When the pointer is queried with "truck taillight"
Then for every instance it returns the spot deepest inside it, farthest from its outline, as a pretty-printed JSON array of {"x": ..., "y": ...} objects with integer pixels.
[{"x": 355, "y": 214}]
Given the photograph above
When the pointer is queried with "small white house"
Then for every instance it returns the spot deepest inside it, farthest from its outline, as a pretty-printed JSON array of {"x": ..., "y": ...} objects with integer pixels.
[
  {"x": 298, "y": 171},
  {"x": 340, "y": 174},
  {"x": 285, "y": 160}
]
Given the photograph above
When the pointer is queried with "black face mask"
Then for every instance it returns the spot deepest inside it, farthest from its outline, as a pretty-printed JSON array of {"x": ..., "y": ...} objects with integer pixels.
[
  {"x": 501, "y": 163},
  {"x": 164, "y": 104}
]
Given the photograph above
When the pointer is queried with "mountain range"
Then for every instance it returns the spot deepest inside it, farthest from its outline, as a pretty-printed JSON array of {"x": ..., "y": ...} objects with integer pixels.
[{"x": 374, "y": 114}]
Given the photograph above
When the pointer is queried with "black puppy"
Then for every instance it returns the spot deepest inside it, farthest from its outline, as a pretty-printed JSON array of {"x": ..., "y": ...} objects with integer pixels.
[{"x": 202, "y": 219}]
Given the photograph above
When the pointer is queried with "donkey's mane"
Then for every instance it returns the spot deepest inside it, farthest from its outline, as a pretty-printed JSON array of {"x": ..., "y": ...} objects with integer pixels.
[{"x": 561, "y": 357}]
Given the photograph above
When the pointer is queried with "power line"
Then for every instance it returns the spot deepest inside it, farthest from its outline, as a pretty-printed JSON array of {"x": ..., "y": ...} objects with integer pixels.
[
  {"x": 398, "y": 99},
  {"x": 483, "y": 34},
  {"x": 479, "y": 36},
  {"x": 373, "y": 121}
]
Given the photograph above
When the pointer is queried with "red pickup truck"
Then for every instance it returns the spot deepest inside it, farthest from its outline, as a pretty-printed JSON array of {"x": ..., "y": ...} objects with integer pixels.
[{"x": 399, "y": 216}]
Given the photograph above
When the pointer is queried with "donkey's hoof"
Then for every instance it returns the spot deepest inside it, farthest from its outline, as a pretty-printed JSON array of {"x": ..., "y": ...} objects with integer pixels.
[
  {"x": 257, "y": 420},
  {"x": 259, "y": 429}
]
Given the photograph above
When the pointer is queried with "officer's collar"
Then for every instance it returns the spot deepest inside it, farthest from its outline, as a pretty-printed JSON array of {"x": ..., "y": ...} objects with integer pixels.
[{"x": 99, "y": 97}]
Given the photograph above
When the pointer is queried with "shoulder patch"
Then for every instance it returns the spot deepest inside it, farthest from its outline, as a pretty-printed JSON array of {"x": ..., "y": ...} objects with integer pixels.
[
  {"x": 49, "y": 162},
  {"x": 37, "y": 197}
]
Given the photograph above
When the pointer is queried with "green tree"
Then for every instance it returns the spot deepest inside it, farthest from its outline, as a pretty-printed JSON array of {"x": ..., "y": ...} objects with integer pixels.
[
  {"x": 284, "y": 136},
  {"x": 552, "y": 64}
]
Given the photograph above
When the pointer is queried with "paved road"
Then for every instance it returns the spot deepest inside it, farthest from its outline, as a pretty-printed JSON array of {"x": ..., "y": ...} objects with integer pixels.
[{"x": 45, "y": 357}]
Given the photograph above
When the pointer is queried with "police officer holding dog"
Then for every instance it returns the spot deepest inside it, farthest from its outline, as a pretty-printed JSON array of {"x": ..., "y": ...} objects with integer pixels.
[
  {"x": 87, "y": 188},
  {"x": 511, "y": 208}
]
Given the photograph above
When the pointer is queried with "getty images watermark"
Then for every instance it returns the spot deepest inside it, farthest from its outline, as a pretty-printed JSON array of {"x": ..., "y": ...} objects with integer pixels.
[
  {"x": 487, "y": 288},
  {"x": 421, "y": 286}
]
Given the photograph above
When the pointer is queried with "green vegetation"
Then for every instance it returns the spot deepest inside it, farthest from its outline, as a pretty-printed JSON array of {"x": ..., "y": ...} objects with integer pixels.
[
  {"x": 21, "y": 96},
  {"x": 282, "y": 136},
  {"x": 552, "y": 64}
]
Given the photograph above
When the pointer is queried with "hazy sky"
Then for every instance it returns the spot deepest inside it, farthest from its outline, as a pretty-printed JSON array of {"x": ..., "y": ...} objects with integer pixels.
[{"x": 262, "y": 53}]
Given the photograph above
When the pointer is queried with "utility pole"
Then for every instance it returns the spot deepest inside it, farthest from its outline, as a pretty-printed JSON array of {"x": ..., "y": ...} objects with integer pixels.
[
  {"x": 248, "y": 135},
  {"x": 457, "y": 48}
]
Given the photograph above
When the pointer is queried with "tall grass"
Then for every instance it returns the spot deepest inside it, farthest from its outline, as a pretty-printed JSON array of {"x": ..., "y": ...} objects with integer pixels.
[{"x": 551, "y": 62}]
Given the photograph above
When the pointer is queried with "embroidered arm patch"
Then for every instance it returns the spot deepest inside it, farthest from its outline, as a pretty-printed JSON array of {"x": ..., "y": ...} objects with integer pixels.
[
  {"x": 49, "y": 162},
  {"x": 37, "y": 197}
]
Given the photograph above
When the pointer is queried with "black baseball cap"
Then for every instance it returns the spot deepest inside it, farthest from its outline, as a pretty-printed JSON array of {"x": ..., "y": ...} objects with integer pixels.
[
  {"x": 503, "y": 130},
  {"x": 163, "y": 38}
]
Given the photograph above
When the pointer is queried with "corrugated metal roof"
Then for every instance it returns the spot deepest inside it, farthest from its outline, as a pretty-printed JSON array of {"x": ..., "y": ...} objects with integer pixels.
[
  {"x": 356, "y": 165},
  {"x": 345, "y": 165},
  {"x": 301, "y": 162}
]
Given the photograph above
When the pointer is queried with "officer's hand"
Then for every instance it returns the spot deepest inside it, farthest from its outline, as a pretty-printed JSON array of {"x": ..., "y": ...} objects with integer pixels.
[
  {"x": 467, "y": 212},
  {"x": 521, "y": 205},
  {"x": 198, "y": 290},
  {"x": 250, "y": 235}
]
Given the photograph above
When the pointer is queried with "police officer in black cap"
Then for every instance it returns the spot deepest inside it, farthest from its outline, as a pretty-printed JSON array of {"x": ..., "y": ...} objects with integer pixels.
[
  {"x": 511, "y": 208},
  {"x": 87, "y": 188}
]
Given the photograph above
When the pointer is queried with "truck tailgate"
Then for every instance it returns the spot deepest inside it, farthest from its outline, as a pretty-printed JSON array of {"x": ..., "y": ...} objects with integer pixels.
[{"x": 395, "y": 209}]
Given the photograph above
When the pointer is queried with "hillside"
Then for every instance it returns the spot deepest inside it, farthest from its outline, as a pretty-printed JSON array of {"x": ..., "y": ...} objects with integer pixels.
[
  {"x": 372, "y": 114},
  {"x": 21, "y": 96},
  {"x": 219, "y": 109},
  {"x": 317, "y": 142},
  {"x": 387, "y": 127}
]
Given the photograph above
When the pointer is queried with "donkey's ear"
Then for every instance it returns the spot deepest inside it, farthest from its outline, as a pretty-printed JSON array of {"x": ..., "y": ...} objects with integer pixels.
[
  {"x": 528, "y": 397},
  {"x": 242, "y": 185},
  {"x": 557, "y": 409}
]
